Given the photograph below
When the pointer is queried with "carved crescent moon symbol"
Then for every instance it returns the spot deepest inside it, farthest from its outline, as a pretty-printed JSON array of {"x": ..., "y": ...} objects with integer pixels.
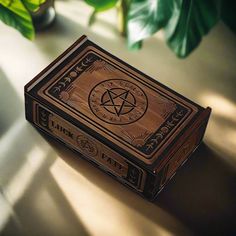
[
  {"x": 67, "y": 79},
  {"x": 57, "y": 89},
  {"x": 154, "y": 140},
  {"x": 173, "y": 118},
  {"x": 160, "y": 136},
  {"x": 44, "y": 124},
  {"x": 170, "y": 123},
  {"x": 62, "y": 83},
  {"x": 148, "y": 146},
  {"x": 83, "y": 64},
  {"x": 88, "y": 59},
  {"x": 43, "y": 113},
  {"x": 44, "y": 118},
  {"x": 180, "y": 113},
  {"x": 79, "y": 68}
]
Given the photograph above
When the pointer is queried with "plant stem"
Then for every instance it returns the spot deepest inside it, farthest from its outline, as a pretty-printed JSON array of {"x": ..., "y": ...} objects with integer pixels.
[
  {"x": 92, "y": 17},
  {"x": 122, "y": 10}
]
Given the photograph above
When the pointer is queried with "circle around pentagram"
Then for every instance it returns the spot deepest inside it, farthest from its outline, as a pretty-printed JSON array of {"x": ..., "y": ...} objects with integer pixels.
[
  {"x": 117, "y": 101},
  {"x": 86, "y": 146}
]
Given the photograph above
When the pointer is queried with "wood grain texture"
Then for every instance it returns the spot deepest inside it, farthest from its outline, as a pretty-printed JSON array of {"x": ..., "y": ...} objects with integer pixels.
[
  {"x": 128, "y": 124},
  {"x": 128, "y": 109}
]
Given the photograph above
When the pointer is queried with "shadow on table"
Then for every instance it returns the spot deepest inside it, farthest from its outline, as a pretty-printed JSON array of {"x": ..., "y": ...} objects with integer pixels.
[
  {"x": 201, "y": 195},
  {"x": 43, "y": 208},
  {"x": 152, "y": 212},
  {"x": 31, "y": 203},
  {"x": 10, "y": 105}
]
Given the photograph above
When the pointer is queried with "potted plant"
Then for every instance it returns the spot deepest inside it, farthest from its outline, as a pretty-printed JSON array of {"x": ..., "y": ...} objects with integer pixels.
[
  {"x": 184, "y": 22},
  {"x": 27, "y": 16}
]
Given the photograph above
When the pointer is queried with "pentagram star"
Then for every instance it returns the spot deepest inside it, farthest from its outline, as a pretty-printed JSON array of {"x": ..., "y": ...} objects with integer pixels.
[{"x": 118, "y": 102}]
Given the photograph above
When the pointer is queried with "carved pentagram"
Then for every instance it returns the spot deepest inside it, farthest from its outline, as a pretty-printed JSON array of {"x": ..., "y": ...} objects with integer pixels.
[
  {"x": 118, "y": 101},
  {"x": 86, "y": 146}
]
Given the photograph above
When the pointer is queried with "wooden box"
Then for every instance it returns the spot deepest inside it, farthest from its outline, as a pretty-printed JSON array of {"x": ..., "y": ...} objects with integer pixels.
[{"x": 126, "y": 123}]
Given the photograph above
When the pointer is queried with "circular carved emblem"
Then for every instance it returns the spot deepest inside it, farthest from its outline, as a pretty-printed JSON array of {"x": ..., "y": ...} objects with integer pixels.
[
  {"x": 87, "y": 146},
  {"x": 118, "y": 101}
]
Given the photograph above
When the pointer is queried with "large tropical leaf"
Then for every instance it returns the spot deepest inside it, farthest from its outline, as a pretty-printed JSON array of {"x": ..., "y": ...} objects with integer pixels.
[
  {"x": 146, "y": 17},
  {"x": 184, "y": 22},
  {"x": 16, "y": 15},
  {"x": 228, "y": 13},
  {"x": 101, "y": 5},
  {"x": 190, "y": 21}
]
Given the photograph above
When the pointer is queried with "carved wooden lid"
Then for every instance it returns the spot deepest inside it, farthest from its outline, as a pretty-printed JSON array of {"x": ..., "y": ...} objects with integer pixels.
[{"x": 127, "y": 110}]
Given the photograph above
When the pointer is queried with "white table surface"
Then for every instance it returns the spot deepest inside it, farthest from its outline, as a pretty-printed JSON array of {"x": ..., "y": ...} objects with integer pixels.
[{"x": 46, "y": 189}]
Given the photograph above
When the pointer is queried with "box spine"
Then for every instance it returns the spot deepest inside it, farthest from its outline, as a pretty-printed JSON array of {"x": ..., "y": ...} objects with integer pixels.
[
  {"x": 179, "y": 155},
  {"x": 90, "y": 148}
]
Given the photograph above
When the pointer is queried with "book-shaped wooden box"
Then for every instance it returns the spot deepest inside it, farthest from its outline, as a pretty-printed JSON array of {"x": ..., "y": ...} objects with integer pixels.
[{"x": 128, "y": 124}]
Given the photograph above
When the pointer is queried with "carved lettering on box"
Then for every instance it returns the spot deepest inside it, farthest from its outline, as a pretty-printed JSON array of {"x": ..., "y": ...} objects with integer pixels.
[{"x": 90, "y": 147}]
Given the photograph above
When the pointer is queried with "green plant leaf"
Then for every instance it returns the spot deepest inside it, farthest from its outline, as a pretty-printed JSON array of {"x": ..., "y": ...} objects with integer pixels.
[
  {"x": 189, "y": 22},
  {"x": 101, "y": 5},
  {"x": 16, "y": 15},
  {"x": 122, "y": 14},
  {"x": 184, "y": 22},
  {"x": 32, "y": 5},
  {"x": 228, "y": 14},
  {"x": 146, "y": 17}
]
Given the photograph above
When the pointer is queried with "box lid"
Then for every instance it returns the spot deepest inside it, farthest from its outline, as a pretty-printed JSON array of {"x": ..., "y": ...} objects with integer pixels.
[{"x": 114, "y": 102}]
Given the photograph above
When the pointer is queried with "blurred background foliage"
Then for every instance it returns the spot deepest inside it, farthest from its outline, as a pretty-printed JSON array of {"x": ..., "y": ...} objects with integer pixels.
[
  {"x": 16, "y": 13},
  {"x": 183, "y": 22}
]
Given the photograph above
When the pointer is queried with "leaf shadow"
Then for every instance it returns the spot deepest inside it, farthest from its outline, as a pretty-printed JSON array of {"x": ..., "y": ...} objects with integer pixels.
[{"x": 26, "y": 183}]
